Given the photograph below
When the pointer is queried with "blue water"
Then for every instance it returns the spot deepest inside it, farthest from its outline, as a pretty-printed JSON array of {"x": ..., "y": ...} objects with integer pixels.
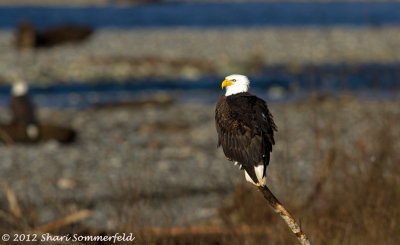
[
  {"x": 373, "y": 81},
  {"x": 368, "y": 81},
  {"x": 208, "y": 15}
]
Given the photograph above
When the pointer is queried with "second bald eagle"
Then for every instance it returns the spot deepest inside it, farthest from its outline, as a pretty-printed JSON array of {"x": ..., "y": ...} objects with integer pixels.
[
  {"x": 23, "y": 111},
  {"x": 245, "y": 128}
]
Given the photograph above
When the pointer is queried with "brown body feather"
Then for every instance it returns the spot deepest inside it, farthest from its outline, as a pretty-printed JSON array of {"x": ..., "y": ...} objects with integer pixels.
[
  {"x": 22, "y": 110},
  {"x": 245, "y": 130}
]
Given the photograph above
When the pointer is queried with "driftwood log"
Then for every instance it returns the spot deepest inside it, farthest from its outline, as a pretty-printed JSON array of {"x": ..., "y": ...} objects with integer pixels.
[
  {"x": 28, "y": 38},
  {"x": 15, "y": 133}
]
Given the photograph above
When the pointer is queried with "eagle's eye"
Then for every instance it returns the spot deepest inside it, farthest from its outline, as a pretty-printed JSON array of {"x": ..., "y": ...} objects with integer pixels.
[{"x": 233, "y": 80}]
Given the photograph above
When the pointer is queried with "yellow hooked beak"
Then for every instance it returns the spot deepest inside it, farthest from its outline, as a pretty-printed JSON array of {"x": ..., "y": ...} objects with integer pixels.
[{"x": 226, "y": 83}]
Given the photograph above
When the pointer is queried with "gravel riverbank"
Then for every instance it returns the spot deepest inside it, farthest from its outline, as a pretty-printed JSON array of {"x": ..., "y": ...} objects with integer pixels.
[
  {"x": 159, "y": 165},
  {"x": 112, "y": 54}
]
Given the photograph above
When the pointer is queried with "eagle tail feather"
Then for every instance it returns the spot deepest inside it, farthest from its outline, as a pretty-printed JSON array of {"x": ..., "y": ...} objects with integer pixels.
[{"x": 255, "y": 175}]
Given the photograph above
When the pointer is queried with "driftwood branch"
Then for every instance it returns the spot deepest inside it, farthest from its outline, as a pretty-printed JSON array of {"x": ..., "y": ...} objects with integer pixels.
[
  {"x": 12, "y": 200},
  {"x": 67, "y": 220},
  {"x": 286, "y": 216},
  {"x": 6, "y": 137}
]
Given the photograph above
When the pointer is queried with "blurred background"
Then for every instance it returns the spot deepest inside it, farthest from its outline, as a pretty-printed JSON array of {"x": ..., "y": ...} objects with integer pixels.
[{"x": 124, "y": 93}]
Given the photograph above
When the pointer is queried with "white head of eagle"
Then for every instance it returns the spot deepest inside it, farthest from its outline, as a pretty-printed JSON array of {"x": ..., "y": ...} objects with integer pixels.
[
  {"x": 235, "y": 84},
  {"x": 19, "y": 88},
  {"x": 245, "y": 128}
]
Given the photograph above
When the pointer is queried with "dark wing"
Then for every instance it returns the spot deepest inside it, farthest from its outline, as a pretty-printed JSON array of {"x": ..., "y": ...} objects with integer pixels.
[
  {"x": 22, "y": 110},
  {"x": 245, "y": 130}
]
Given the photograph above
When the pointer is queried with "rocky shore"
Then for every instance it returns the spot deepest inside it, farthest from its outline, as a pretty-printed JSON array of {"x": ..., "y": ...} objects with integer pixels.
[
  {"x": 159, "y": 165},
  {"x": 119, "y": 55}
]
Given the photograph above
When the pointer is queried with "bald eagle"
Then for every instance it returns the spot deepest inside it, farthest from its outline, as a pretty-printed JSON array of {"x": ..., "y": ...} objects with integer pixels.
[
  {"x": 22, "y": 109},
  {"x": 245, "y": 128}
]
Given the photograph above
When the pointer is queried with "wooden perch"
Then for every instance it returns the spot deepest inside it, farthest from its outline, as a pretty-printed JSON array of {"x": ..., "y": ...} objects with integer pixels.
[{"x": 286, "y": 216}]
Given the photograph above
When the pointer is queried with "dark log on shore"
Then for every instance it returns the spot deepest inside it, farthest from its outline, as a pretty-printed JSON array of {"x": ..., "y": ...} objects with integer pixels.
[
  {"x": 15, "y": 133},
  {"x": 28, "y": 38}
]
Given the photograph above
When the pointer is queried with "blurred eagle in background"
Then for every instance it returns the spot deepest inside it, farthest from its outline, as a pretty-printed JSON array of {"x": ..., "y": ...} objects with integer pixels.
[
  {"x": 25, "y": 126},
  {"x": 245, "y": 128},
  {"x": 22, "y": 110}
]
